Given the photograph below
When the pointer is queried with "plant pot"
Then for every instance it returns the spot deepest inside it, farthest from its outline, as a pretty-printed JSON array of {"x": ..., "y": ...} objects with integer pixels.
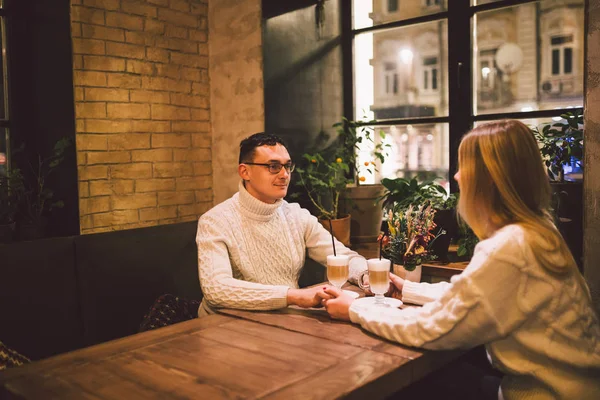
[
  {"x": 7, "y": 232},
  {"x": 341, "y": 228},
  {"x": 29, "y": 230},
  {"x": 413, "y": 276},
  {"x": 365, "y": 211}
]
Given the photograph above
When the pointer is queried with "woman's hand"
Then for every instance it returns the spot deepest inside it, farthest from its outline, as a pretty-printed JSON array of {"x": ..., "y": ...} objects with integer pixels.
[
  {"x": 307, "y": 297},
  {"x": 396, "y": 285},
  {"x": 336, "y": 302},
  {"x": 395, "y": 289}
]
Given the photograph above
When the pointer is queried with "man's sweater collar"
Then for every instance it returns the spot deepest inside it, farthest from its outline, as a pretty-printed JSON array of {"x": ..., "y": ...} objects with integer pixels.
[{"x": 255, "y": 208}]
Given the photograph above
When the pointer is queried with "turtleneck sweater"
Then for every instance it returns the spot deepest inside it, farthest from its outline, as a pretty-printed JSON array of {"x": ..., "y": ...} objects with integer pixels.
[{"x": 251, "y": 253}]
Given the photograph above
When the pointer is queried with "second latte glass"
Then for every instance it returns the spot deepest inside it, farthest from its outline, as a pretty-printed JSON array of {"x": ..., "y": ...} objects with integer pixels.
[{"x": 379, "y": 279}]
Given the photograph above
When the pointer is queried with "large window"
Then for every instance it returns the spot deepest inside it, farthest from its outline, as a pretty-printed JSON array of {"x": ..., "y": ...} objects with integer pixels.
[{"x": 431, "y": 70}]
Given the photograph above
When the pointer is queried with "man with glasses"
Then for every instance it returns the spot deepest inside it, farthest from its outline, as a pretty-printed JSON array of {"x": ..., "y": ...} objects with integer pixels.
[{"x": 252, "y": 247}]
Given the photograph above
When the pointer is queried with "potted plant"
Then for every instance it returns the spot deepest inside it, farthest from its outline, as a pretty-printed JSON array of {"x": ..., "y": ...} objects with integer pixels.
[
  {"x": 561, "y": 147},
  {"x": 561, "y": 144},
  {"x": 409, "y": 239},
  {"x": 37, "y": 199},
  {"x": 11, "y": 186},
  {"x": 323, "y": 177},
  {"x": 361, "y": 200},
  {"x": 401, "y": 193},
  {"x": 466, "y": 242}
]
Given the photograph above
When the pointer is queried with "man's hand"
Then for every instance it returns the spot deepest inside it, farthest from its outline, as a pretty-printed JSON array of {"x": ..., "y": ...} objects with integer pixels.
[
  {"x": 336, "y": 302},
  {"x": 306, "y": 297}
]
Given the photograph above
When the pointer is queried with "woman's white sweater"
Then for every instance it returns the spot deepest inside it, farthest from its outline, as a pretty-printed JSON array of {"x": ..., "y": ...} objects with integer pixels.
[
  {"x": 250, "y": 252},
  {"x": 539, "y": 328}
]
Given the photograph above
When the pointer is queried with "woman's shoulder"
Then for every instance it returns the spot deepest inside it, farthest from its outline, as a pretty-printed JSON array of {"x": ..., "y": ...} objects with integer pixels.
[{"x": 509, "y": 236}]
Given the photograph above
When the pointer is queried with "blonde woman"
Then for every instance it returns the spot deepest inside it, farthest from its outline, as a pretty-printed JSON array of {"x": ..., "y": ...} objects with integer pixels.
[{"x": 521, "y": 295}]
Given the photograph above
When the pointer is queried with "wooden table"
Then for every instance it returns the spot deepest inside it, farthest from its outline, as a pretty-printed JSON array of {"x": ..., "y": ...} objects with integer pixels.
[{"x": 289, "y": 353}]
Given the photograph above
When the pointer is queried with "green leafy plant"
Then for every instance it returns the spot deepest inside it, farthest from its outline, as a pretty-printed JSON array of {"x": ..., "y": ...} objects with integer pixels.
[
  {"x": 411, "y": 235},
  {"x": 36, "y": 197},
  {"x": 352, "y": 135},
  {"x": 324, "y": 177},
  {"x": 11, "y": 187},
  {"x": 403, "y": 192},
  {"x": 560, "y": 142},
  {"x": 466, "y": 242}
]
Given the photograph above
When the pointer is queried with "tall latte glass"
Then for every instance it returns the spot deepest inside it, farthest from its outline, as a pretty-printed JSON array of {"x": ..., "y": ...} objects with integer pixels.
[
  {"x": 379, "y": 279},
  {"x": 337, "y": 270}
]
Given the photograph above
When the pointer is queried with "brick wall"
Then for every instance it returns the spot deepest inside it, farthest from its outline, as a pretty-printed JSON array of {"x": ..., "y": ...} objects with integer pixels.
[{"x": 142, "y": 112}]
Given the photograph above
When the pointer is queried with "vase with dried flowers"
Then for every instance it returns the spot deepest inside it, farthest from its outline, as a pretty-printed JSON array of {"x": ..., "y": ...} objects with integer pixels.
[{"x": 411, "y": 233}]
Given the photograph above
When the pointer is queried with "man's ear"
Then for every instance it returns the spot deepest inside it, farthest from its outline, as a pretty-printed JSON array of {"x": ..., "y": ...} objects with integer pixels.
[{"x": 244, "y": 172}]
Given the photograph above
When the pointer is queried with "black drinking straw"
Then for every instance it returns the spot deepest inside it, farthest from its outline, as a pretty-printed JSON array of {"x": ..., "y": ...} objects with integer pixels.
[{"x": 332, "y": 241}]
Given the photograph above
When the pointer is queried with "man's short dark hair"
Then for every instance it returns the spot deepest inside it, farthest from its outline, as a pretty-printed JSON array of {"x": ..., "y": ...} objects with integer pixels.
[{"x": 249, "y": 145}]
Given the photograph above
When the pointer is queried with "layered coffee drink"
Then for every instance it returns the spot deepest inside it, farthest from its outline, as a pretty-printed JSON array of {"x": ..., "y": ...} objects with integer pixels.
[
  {"x": 337, "y": 270},
  {"x": 379, "y": 278},
  {"x": 379, "y": 275}
]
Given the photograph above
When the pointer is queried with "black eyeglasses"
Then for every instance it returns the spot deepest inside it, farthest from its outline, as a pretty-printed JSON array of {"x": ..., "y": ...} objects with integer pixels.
[{"x": 274, "y": 168}]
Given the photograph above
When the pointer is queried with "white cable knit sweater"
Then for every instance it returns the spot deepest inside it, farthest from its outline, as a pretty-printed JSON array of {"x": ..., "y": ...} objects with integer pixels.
[
  {"x": 539, "y": 328},
  {"x": 250, "y": 253}
]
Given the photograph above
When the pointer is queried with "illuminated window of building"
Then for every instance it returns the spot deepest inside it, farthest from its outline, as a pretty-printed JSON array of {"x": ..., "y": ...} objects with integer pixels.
[
  {"x": 562, "y": 54},
  {"x": 430, "y": 74}
]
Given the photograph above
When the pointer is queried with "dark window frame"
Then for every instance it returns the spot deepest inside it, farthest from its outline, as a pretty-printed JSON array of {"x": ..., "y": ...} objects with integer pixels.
[
  {"x": 4, "y": 75},
  {"x": 461, "y": 117}
]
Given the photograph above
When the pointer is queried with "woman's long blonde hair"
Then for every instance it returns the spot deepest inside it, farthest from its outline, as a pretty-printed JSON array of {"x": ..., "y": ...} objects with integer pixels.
[{"x": 503, "y": 181}]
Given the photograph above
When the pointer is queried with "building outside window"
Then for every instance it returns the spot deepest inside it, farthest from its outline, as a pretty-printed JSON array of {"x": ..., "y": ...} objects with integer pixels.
[
  {"x": 430, "y": 74},
  {"x": 562, "y": 54},
  {"x": 392, "y": 6},
  {"x": 525, "y": 64}
]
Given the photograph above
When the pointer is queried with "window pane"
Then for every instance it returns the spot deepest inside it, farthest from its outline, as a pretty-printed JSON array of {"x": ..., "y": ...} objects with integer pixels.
[
  {"x": 414, "y": 57},
  {"x": 555, "y": 62},
  {"x": 420, "y": 151},
  {"x": 528, "y": 57},
  {"x": 568, "y": 60},
  {"x": 376, "y": 12}
]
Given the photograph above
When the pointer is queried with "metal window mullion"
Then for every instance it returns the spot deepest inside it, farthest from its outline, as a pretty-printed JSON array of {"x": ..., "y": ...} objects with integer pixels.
[
  {"x": 399, "y": 24},
  {"x": 497, "y": 5},
  {"x": 526, "y": 114},
  {"x": 460, "y": 99},
  {"x": 347, "y": 47}
]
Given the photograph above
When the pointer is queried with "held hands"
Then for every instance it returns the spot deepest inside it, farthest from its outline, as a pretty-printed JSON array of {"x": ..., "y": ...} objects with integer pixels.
[
  {"x": 307, "y": 297},
  {"x": 338, "y": 303}
]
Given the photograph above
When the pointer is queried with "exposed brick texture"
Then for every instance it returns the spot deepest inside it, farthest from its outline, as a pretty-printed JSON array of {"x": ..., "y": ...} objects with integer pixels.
[{"x": 142, "y": 112}]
